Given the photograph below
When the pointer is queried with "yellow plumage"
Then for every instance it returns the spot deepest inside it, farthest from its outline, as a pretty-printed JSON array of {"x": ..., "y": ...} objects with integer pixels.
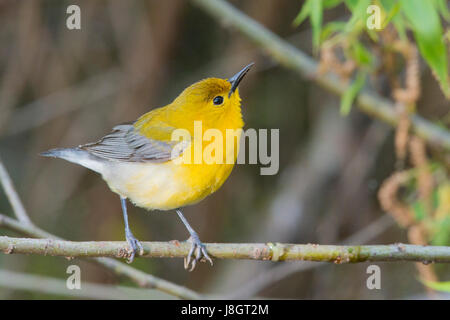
[
  {"x": 140, "y": 161},
  {"x": 169, "y": 185}
]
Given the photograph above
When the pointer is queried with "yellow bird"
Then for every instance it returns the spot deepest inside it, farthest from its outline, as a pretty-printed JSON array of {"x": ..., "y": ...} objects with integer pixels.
[{"x": 138, "y": 160}]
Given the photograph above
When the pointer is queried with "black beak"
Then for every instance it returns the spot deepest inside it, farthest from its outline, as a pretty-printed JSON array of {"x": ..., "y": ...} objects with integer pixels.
[{"x": 236, "y": 79}]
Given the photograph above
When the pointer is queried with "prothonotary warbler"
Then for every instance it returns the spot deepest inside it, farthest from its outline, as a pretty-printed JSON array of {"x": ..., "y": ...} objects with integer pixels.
[{"x": 138, "y": 162}]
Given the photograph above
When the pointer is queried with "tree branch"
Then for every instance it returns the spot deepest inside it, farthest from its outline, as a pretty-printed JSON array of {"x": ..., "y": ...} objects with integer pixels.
[
  {"x": 253, "y": 251},
  {"x": 292, "y": 58},
  {"x": 43, "y": 284},
  {"x": 25, "y": 226},
  {"x": 12, "y": 195},
  {"x": 281, "y": 271},
  {"x": 142, "y": 279}
]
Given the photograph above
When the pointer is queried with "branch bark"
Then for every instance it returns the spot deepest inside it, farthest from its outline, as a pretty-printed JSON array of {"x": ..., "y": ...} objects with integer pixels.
[
  {"x": 292, "y": 58},
  {"x": 142, "y": 279},
  {"x": 253, "y": 251},
  {"x": 26, "y": 227}
]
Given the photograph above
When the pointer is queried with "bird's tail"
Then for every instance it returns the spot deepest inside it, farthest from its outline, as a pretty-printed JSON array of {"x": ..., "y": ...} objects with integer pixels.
[{"x": 78, "y": 156}]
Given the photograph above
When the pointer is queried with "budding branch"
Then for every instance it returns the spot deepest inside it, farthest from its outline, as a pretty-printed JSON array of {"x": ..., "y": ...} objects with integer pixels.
[
  {"x": 292, "y": 58},
  {"x": 252, "y": 251}
]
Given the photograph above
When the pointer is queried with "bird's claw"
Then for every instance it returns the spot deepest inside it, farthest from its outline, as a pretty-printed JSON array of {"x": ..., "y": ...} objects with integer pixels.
[
  {"x": 134, "y": 246},
  {"x": 198, "y": 250}
]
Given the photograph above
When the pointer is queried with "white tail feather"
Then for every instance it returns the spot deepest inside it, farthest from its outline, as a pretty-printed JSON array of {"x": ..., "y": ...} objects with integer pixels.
[{"x": 77, "y": 156}]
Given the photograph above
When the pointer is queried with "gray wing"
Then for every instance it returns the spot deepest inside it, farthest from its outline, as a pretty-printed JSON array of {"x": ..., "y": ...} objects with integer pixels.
[{"x": 124, "y": 143}]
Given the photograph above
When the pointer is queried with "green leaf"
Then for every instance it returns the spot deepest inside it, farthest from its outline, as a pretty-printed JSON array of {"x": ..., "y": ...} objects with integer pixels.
[
  {"x": 439, "y": 286},
  {"x": 360, "y": 54},
  {"x": 313, "y": 9},
  {"x": 391, "y": 14},
  {"x": 350, "y": 94},
  {"x": 358, "y": 9},
  {"x": 303, "y": 14},
  {"x": 419, "y": 210},
  {"x": 331, "y": 28},
  {"x": 441, "y": 236},
  {"x": 351, "y": 4},
  {"x": 388, "y": 5},
  {"x": 399, "y": 24},
  {"x": 316, "y": 21},
  {"x": 424, "y": 19},
  {"x": 329, "y": 4},
  {"x": 441, "y": 6}
]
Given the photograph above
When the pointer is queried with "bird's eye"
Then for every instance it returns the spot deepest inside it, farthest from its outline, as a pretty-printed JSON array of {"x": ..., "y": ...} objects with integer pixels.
[{"x": 218, "y": 100}]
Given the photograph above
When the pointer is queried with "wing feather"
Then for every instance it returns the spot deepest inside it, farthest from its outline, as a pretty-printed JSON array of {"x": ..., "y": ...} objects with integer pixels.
[{"x": 125, "y": 143}]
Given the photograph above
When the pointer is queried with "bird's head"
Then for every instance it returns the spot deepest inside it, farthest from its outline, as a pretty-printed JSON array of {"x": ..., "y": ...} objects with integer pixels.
[{"x": 213, "y": 101}]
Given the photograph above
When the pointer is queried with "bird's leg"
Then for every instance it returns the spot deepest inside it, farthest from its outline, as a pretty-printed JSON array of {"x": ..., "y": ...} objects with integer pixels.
[
  {"x": 132, "y": 241},
  {"x": 197, "y": 247}
]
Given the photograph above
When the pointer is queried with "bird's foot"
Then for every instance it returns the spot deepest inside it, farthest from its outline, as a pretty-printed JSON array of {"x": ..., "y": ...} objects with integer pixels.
[
  {"x": 134, "y": 246},
  {"x": 196, "y": 253}
]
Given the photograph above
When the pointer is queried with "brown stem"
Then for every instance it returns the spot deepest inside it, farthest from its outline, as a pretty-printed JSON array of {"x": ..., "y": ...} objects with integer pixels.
[
  {"x": 253, "y": 251},
  {"x": 292, "y": 58}
]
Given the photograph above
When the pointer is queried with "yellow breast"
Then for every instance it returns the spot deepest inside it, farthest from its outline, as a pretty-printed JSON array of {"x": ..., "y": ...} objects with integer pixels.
[{"x": 171, "y": 184}]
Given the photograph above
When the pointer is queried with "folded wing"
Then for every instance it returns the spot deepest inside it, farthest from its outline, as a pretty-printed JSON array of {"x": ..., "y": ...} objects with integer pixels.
[{"x": 125, "y": 143}]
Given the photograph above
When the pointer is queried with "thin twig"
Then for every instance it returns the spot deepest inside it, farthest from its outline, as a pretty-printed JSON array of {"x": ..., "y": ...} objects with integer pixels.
[
  {"x": 142, "y": 279},
  {"x": 253, "y": 251},
  {"x": 292, "y": 58},
  {"x": 12, "y": 195},
  {"x": 27, "y": 282}
]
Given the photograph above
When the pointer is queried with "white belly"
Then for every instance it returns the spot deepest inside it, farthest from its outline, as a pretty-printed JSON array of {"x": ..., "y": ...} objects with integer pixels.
[{"x": 148, "y": 185}]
